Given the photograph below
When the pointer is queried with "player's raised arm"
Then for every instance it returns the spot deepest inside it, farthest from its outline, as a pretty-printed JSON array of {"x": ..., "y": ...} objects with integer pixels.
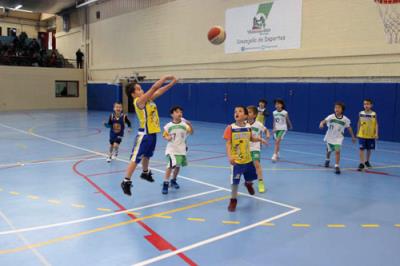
[
  {"x": 142, "y": 100},
  {"x": 165, "y": 88}
]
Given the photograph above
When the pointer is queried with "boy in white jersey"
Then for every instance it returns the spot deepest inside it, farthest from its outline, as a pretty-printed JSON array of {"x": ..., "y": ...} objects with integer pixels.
[
  {"x": 367, "y": 133},
  {"x": 336, "y": 123},
  {"x": 257, "y": 128},
  {"x": 176, "y": 133},
  {"x": 281, "y": 125}
]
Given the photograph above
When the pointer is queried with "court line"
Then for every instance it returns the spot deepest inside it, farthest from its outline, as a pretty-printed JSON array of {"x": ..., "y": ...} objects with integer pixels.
[
  {"x": 110, "y": 226},
  {"x": 214, "y": 239},
  {"x": 155, "y": 169},
  {"x": 41, "y": 227},
  {"x": 37, "y": 254},
  {"x": 29, "y": 163}
]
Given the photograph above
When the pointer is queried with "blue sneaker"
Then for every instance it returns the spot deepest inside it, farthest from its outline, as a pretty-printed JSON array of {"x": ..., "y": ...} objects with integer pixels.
[
  {"x": 174, "y": 184},
  {"x": 165, "y": 188}
]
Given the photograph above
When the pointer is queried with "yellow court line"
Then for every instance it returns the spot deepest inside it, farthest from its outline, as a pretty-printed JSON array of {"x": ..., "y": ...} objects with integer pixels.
[
  {"x": 164, "y": 216},
  {"x": 133, "y": 213},
  {"x": 108, "y": 227},
  {"x": 78, "y": 205},
  {"x": 230, "y": 222},
  {"x": 54, "y": 201},
  {"x": 301, "y": 225},
  {"x": 104, "y": 209},
  {"x": 196, "y": 219},
  {"x": 33, "y": 197},
  {"x": 397, "y": 225},
  {"x": 267, "y": 224},
  {"x": 14, "y": 193},
  {"x": 336, "y": 225},
  {"x": 370, "y": 225}
]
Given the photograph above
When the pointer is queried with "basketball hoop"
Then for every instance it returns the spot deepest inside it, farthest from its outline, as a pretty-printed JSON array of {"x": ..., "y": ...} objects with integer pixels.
[{"x": 389, "y": 11}]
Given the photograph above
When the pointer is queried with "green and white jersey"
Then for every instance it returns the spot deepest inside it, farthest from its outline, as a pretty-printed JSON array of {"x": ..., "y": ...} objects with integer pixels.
[
  {"x": 256, "y": 129},
  {"x": 179, "y": 133},
  {"x": 280, "y": 119},
  {"x": 336, "y": 126}
]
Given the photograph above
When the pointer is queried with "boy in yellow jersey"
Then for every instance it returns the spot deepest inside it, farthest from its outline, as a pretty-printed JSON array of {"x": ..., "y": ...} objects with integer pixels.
[
  {"x": 238, "y": 137},
  {"x": 149, "y": 126},
  {"x": 262, "y": 112},
  {"x": 367, "y": 133}
]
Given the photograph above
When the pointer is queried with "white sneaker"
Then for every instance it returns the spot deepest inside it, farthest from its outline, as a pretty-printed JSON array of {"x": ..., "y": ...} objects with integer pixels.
[
  {"x": 108, "y": 159},
  {"x": 113, "y": 157},
  {"x": 274, "y": 158}
]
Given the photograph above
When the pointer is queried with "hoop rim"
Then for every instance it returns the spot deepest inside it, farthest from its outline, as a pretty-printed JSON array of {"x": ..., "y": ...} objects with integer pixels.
[{"x": 387, "y": 2}]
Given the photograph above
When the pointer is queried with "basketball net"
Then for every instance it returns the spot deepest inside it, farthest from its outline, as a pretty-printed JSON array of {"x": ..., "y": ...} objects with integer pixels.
[{"x": 389, "y": 11}]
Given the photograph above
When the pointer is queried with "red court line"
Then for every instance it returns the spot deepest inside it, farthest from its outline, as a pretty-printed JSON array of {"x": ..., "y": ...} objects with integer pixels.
[{"x": 154, "y": 238}]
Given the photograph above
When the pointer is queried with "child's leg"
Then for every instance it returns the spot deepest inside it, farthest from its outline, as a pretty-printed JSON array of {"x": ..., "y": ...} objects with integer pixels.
[
  {"x": 111, "y": 150},
  {"x": 277, "y": 145},
  {"x": 369, "y": 153},
  {"x": 337, "y": 157},
  {"x": 116, "y": 148},
  {"x": 145, "y": 164},
  {"x": 130, "y": 169},
  {"x": 328, "y": 154},
  {"x": 234, "y": 192},
  {"x": 176, "y": 172},
  {"x": 362, "y": 158},
  {"x": 167, "y": 174},
  {"x": 258, "y": 170}
]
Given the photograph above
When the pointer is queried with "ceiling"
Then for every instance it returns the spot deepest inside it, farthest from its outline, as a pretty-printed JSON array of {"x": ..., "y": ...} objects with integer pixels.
[{"x": 40, "y": 6}]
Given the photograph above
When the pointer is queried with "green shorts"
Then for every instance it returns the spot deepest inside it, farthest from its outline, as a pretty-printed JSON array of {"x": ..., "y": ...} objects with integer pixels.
[
  {"x": 333, "y": 147},
  {"x": 279, "y": 134},
  {"x": 176, "y": 161},
  {"x": 256, "y": 155}
]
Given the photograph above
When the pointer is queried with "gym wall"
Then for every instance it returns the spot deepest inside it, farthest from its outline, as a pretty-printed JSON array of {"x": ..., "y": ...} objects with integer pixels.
[{"x": 28, "y": 88}]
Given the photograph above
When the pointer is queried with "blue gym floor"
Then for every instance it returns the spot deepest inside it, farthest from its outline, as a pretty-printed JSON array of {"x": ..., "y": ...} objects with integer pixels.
[{"x": 61, "y": 203}]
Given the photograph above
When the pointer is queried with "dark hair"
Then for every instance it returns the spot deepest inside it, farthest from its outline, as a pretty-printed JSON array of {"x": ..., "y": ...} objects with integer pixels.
[
  {"x": 341, "y": 104},
  {"x": 117, "y": 103},
  {"x": 175, "y": 108},
  {"x": 130, "y": 88},
  {"x": 369, "y": 100},
  {"x": 280, "y": 101},
  {"x": 263, "y": 101},
  {"x": 252, "y": 108},
  {"x": 244, "y": 109}
]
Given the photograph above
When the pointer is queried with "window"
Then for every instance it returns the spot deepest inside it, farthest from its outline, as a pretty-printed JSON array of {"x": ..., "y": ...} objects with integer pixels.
[
  {"x": 11, "y": 32},
  {"x": 67, "y": 88}
]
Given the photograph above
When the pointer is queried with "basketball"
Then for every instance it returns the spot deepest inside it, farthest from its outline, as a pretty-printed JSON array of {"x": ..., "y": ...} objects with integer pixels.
[{"x": 216, "y": 35}]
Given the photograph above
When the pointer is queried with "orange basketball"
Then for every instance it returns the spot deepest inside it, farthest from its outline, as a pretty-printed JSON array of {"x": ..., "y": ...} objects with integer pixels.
[{"x": 216, "y": 35}]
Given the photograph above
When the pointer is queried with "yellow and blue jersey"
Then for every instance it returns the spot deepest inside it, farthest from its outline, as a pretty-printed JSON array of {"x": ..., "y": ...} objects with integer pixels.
[
  {"x": 149, "y": 121},
  {"x": 368, "y": 125},
  {"x": 240, "y": 138}
]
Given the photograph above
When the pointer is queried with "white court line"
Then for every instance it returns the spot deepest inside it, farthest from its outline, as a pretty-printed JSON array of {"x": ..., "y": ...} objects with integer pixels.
[
  {"x": 41, "y": 258},
  {"x": 36, "y": 228},
  {"x": 47, "y": 162},
  {"x": 213, "y": 239},
  {"x": 155, "y": 169}
]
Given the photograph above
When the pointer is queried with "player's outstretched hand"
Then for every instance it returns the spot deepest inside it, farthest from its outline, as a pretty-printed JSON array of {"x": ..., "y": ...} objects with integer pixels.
[
  {"x": 321, "y": 125},
  {"x": 264, "y": 141}
]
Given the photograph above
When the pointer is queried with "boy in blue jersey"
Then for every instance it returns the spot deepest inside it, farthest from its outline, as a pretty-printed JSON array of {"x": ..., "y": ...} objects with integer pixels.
[{"x": 116, "y": 124}]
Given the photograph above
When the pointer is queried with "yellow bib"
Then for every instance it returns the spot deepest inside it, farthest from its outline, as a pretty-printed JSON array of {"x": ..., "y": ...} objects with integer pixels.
[
  {"x": 148, "y": 117},
  {"x": 368, "y": 124},
  {"x": 241, "y": 144}
]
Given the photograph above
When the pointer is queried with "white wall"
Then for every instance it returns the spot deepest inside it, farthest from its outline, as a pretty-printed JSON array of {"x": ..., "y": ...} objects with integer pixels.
[
  {"x": 69, "y": 42},
  {"x": 340, "y": 38},
  {"x": 28, "y": 88}
]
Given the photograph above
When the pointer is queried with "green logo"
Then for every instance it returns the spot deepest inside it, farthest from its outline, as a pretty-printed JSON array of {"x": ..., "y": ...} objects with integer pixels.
[{"x": 259, "y": 21}]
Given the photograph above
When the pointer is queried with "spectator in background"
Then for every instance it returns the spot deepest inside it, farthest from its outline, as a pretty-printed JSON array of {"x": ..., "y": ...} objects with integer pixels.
[
  {"x": 79, "y": 58},
  {"x": 53, "y": 59}
]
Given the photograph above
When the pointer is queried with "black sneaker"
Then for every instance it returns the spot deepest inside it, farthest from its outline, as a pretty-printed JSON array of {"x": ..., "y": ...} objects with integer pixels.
[
  {"x": 174, "y": 184},
  {"x": 165, "y": 188},
  {"x": 147, "y": 176},
  {"x": 367, "y": 164},
  {"x": 337, "y": 170},
  {"x": 361, "y": 167},
  {"x": 327, "y": 163},
  {"x": 126, "y": 187}
]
